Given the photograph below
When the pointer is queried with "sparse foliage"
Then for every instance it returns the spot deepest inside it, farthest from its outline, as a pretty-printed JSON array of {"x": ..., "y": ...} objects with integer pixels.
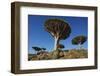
[
  {"x": 43, "y": 48},
  {"x": 36, "y": 48}
]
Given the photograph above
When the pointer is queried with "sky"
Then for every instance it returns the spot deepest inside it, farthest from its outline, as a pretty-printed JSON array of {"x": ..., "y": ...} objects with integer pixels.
[{"x": 38, "y": 36}]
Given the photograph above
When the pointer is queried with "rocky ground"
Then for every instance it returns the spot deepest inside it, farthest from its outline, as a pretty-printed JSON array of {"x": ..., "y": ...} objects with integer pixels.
[{"x": 60, "y": 54}]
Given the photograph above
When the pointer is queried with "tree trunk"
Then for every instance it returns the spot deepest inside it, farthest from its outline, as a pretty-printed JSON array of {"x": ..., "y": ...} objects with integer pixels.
[
  {"x": 79, "y": 45},
  {"x": 55, "y": 51},
  {"x": 56, "y": 43}
]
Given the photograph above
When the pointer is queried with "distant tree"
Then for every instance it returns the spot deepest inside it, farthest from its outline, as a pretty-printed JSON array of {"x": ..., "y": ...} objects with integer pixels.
[
  {"x": 58, "y": 28},
  {"x": 79, "y": 40},
  {"x": 37, "y": 49}
]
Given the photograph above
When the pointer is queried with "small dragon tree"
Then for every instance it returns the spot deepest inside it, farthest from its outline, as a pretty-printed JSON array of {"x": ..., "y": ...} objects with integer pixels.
[
  {"x": 37, "y": 49},
  {"x": 61, "y": 52},
  {"x": 59, "y": 29},
  {"x": 60, "y": 46},
  {"x": 79, "y": 40}
]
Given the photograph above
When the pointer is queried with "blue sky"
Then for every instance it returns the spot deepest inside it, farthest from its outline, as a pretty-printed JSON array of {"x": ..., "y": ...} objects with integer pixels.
[{"x": 37, "y": 36}]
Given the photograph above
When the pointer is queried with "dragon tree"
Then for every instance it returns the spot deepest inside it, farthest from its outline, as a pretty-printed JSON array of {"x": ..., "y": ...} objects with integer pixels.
[{"x": 59, "y": 30}]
